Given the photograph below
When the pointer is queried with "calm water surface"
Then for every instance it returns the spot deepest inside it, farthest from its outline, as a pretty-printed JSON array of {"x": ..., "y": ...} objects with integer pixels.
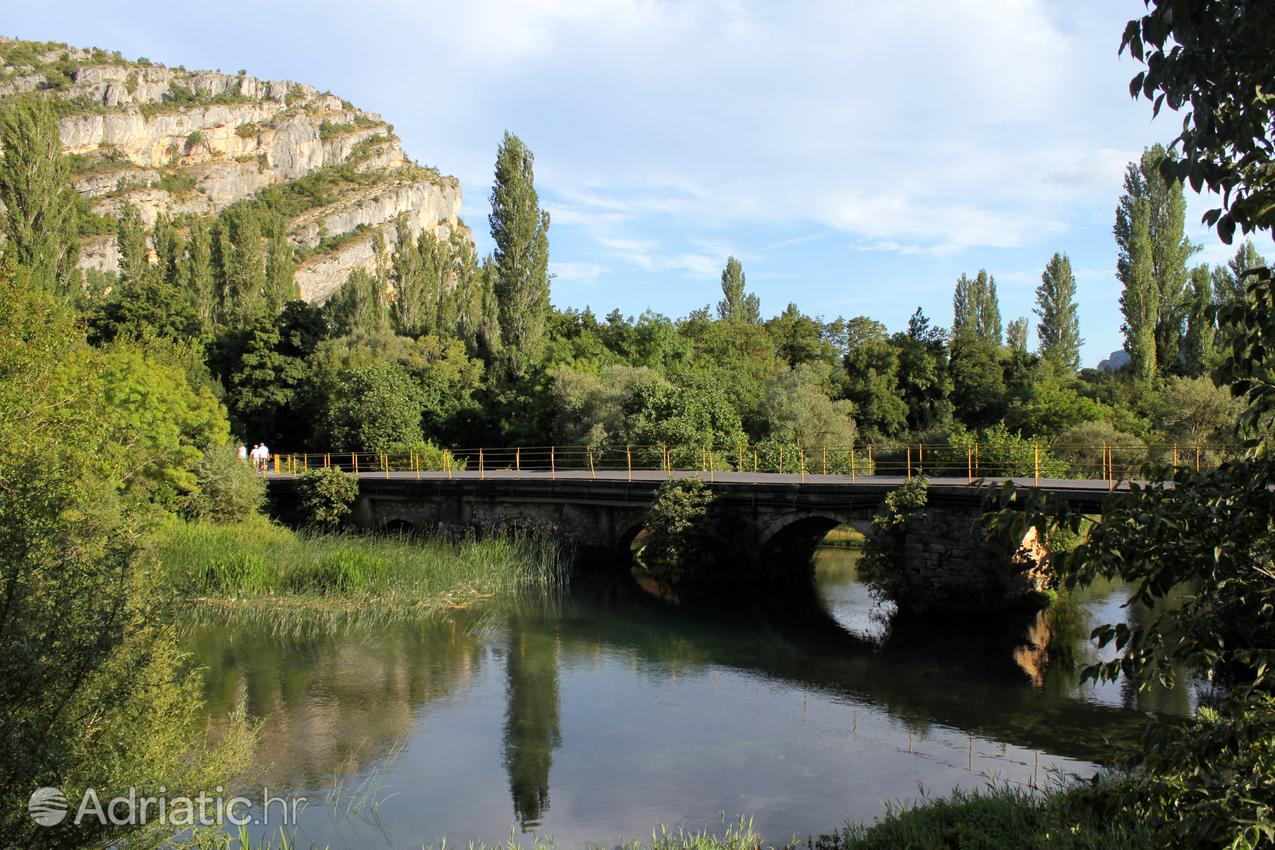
[{"x": 597, "y": 718}]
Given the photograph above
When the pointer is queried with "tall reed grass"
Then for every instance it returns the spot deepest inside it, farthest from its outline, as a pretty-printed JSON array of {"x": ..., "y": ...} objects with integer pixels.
[{"x": 257, "y": 564}]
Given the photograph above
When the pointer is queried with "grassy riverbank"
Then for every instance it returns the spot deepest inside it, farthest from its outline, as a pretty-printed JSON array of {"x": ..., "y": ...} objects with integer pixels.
[
  {"x": 256, "y": 564},
  {"x": 996, "y": 818}
]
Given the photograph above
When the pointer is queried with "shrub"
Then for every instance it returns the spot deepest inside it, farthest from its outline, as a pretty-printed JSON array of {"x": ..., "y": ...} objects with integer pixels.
[
  {"x": 326, "y": 496},
  {"x": 432, "y": 458},
  {"x": 880, "y": 567},
  {"x": 676, "y": 522},
  {"x": 1081, "y": 448},
  {"x": 228, "y": 489}
]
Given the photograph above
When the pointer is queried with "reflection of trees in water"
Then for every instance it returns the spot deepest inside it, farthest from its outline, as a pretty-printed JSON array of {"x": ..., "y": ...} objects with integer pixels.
[
  {"x": 531, "y": 718},
  {"x": 329, "y": 704}
]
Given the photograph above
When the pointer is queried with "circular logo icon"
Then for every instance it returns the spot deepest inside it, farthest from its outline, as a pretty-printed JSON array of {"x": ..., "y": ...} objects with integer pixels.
[{"x": 47, "y": 806}]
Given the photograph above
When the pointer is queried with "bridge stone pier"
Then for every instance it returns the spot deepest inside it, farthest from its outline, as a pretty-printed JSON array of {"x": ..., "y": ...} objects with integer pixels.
[{"x": 784, "y": 516}]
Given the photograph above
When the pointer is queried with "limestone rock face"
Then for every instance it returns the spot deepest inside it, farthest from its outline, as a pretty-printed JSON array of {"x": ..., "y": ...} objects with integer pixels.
[{"x": 168, "y": 141}]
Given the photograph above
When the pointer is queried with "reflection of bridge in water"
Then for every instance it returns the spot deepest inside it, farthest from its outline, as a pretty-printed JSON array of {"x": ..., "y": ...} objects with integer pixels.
[{"x": 960, "y": 677}]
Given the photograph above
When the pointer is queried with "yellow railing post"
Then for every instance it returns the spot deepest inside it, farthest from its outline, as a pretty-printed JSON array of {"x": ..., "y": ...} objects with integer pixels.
[
  {"x": 628, "y": 459},
  {"x": 1036, "y": 459},
  {"x": 518, "y": 460},
  {"x": 803, "y": 464},
  {"x": 354, "y": 462},
  {"x": 553, "y": 463},
  {"x": 853, "y": 470},
  {"x": 909, "y": 463},
  {"x": 447, "y": 463},
  {"x": 711, "y": 474},
  {"x": 781, "y": 458},
  {"x": 385, "y": 461},
  {"x": 703, "y": 458},
  {"x": 976, "y": 457},
  {"x": 874, "y": 469},
  {"x": 1197, "y": 458},
  {"x": 276, "y": 464},
  {"x": 327, "y": 460},
  {"x": 740, "y": 467},
  {"x": 920, "y": 458},
  {"x": 756, "y": 461},
  {"x": 592, "y": 472},
  {"x": 482, "y": 473},
  {"x": 825, "y": 460}
]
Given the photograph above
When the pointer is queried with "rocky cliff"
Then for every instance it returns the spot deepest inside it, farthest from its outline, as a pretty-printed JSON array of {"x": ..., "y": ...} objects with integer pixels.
[{"x": 177, "y": 142}]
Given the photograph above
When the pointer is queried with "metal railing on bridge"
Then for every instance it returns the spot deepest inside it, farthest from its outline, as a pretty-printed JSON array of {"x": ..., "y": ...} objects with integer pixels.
[{"x": 1109, "y": 462}]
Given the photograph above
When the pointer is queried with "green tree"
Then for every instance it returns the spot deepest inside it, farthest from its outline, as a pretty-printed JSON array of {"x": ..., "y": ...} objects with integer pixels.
[
  {"x": 976, "y": 310},
  {"x": 41, "y": 225},
  {"x": 978, "y": 383},
  {"x": 1228, "y": 280},
  {"x": 1159, "y": 242},
  {"x": 1059, "y": 325},
  {"x": 799, "y": 412},
  {"x": 200, "y": 280},
  {"x": 801, "y": 339},
  {"x": 130, "y": 241},
  {"x": 81, "y": 632},
  {"x": 1198, "y": 347},
  {"x": 737, "y": 304},
  {"x": 280, "y": 281},
  {"x": 872, "y": 380},
  {"x": 520, "y": 230},
  {"x": 1016, "y": 333},
  {"x": 360, "y": 306},
  {"x": 1140, "y": 299},
  {"x": 1212, "y": 59},
  {"x": 243, "y": 264},
  {"x": 923, "y": 378},
  {"x": 372, "y": 408}
]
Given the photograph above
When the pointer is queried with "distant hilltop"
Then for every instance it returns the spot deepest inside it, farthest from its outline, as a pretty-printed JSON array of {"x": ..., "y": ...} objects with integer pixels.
[{"x": 191, "y": 143}]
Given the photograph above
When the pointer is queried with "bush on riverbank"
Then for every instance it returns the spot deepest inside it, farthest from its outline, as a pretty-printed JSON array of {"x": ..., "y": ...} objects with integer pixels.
[{"x": 257, "y": 561}]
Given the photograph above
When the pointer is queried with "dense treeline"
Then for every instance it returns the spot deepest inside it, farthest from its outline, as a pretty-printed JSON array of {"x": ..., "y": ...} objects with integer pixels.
[{"x": 432, "y": 344}]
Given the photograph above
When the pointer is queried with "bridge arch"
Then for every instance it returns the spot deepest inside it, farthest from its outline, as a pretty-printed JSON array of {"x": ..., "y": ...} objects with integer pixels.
[
  {"x": 398, "y": 525},
  {"x": 794, "y": 536}
]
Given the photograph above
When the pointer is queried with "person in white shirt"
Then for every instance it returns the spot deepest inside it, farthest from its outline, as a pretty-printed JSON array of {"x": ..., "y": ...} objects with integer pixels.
[
  {"x": 265, "y": 458},
  {"x": 243, "y": 453}
]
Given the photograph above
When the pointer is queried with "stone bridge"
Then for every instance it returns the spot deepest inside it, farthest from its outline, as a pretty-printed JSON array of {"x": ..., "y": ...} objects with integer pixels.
[{"x": 785, "y": 515}]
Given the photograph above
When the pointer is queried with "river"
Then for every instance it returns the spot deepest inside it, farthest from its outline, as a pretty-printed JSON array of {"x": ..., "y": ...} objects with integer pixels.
[{"x": 594, "y": 718}]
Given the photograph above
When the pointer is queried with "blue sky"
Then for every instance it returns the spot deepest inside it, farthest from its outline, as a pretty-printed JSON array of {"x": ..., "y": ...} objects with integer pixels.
[{"x": 857, "y": 156}]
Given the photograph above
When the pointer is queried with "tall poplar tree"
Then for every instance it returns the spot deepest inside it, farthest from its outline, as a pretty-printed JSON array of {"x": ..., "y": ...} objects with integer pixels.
[
  {"x": 1228, "y": 279},
  {"x": 737, "y": 304},
  {"x": 1016, "y": 333},
  {"x": 1140, "y": 301},
  {"x": 1201, "y": 324},
  {"x": 1059, "y": 325},
  {"x": 200, "y": 280},
  {"x": 520, "y": 230},
  {"x": 976, "y": 312},
  {"x": 130, "y": 241},
  {"x": 1167, "y": 249},
  {"x": 41, "y": 223},
  {"x": 280, "y": 281}
]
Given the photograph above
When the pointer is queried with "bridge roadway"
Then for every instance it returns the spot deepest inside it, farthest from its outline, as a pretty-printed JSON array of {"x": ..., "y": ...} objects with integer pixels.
[{"x": 611, "y": 485}]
